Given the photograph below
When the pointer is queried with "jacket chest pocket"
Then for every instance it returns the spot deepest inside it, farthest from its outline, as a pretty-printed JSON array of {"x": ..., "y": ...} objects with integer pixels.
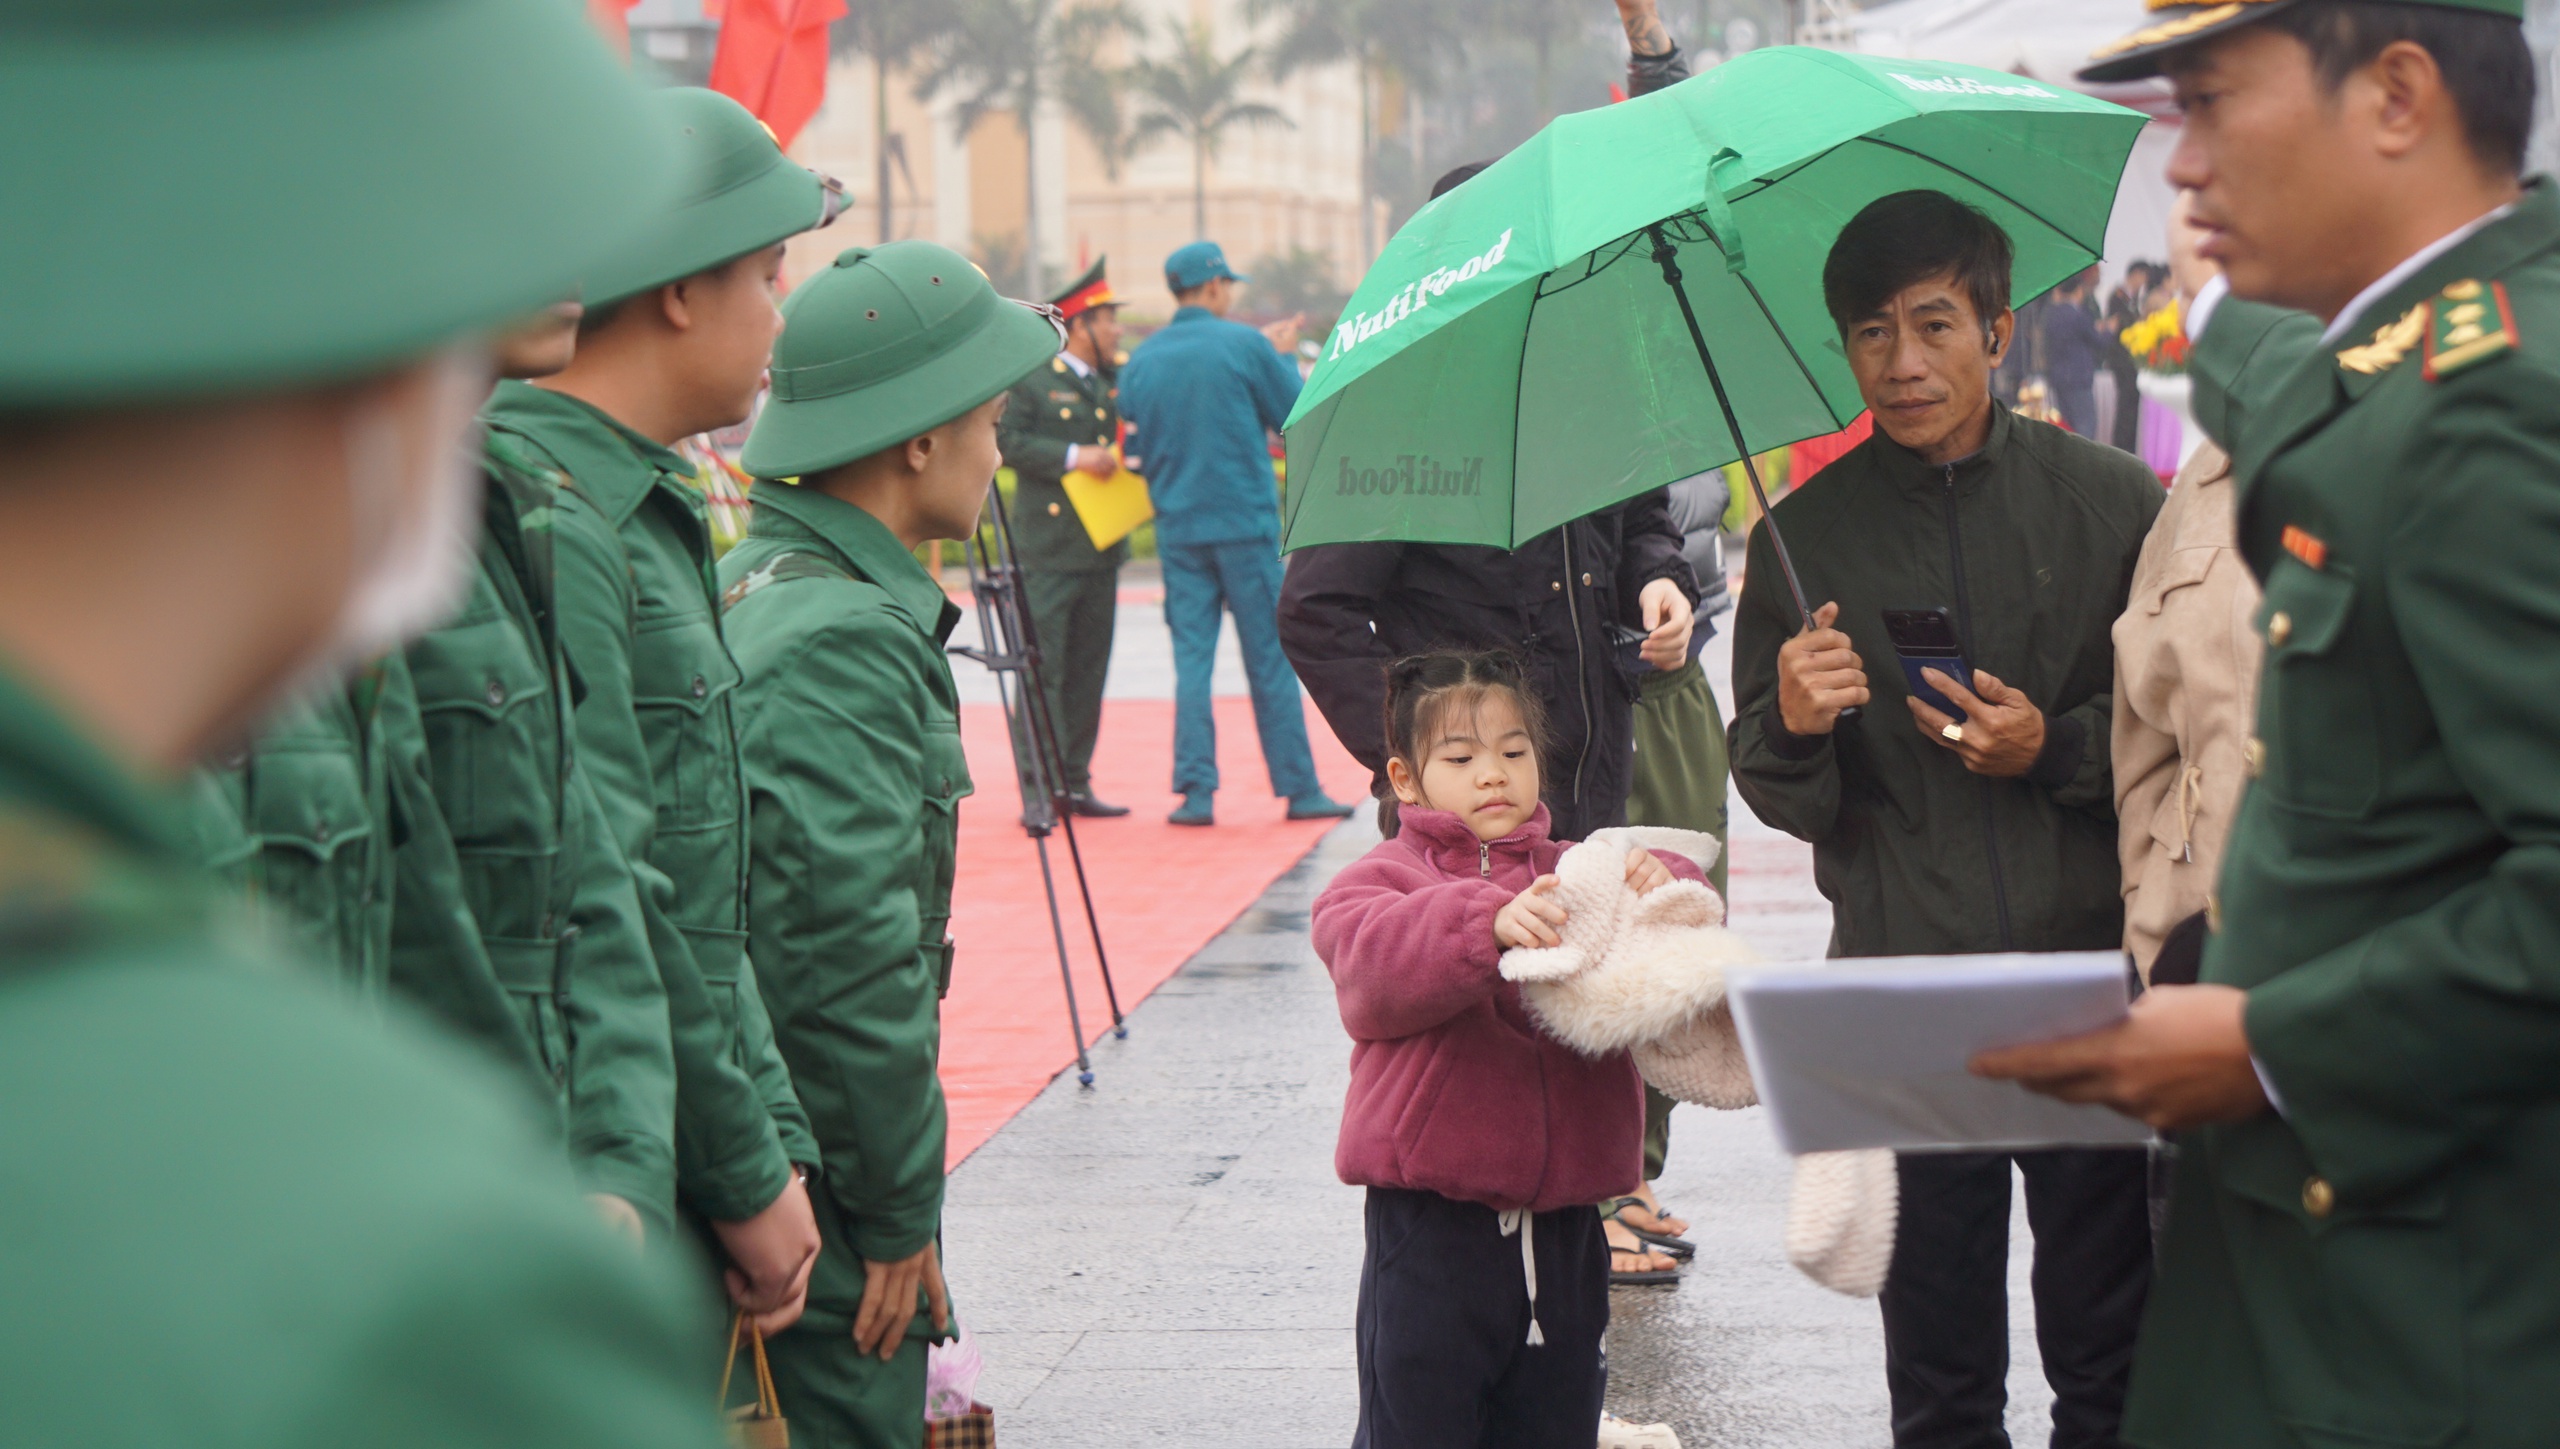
[
  {"x": 946, "y": 784},
  {"x": 2316, "y": 711},
  {"x": 311, "y": 811},
  {"x": 681, "y": 682},
  {"x": 493, "y": 730}
]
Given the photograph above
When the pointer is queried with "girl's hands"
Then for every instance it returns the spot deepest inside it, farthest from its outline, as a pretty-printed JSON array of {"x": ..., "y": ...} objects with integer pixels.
[
  {"x": 1531, "y": 919},
  {"x": 1644, "y": 872}
]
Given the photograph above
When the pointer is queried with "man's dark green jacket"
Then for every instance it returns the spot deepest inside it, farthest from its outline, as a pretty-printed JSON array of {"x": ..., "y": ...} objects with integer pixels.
[
  {"x": 636, "y": 614},
  {"x": 2029, "y": 545},
  {"x": 2375, "y": 1264},
  {"x": 851, "y": 726},
  {"x": 242, "y": 1214}
]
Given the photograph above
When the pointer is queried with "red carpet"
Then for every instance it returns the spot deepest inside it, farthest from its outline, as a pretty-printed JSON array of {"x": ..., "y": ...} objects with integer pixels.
[{"x": 1162, "y": 891}]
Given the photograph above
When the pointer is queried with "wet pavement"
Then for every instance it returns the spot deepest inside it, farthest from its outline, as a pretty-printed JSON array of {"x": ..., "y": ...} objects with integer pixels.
[{"x": 1166, "y": 1259}]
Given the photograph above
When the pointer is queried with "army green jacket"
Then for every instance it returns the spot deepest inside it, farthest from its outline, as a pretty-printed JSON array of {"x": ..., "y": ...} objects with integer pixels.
[
  {"x": 328, "y": 822},
  {"x": 350, "y": 1230},
  {"x": 654, "y": 731},
  {"x": 2372, "y": 1264},
  {"x": 301, "y": 821},
  {"x": 548, "y": 891},
  {"x": 850, "y": 722},
  {"x": 1051, "y": 411}
]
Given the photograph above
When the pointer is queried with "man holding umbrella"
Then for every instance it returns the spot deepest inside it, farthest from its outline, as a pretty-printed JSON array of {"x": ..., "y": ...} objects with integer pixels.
[
  {"x": 2359, "y": 1245},
  {"x": 1981, "y": 827}
]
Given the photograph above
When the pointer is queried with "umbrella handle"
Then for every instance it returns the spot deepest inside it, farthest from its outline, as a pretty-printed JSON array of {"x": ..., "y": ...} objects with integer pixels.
[{"x": 1668, "y": 258}]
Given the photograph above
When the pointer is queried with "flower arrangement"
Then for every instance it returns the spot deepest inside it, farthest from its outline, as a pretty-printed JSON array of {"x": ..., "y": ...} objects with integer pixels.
[{"x": 2159, "y": 342}]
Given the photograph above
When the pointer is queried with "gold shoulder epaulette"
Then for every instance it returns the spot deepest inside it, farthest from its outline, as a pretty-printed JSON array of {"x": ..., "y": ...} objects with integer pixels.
[
  {"x": 2391, "y": 342},
  {"x": 2473, "y": 323}
]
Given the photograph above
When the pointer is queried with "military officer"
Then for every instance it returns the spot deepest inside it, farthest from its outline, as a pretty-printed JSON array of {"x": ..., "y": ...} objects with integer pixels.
[
  {"x": 673, "y": 342},
  {"x": 2359, "y": 1246},
  {"x": 1064, "y": 418},
  {"x": 240, "y": 1214},
  {"x": 887, "y": 386}
]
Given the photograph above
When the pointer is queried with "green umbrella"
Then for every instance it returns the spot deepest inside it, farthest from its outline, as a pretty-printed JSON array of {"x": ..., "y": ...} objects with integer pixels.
[{"x": 1515, "y": 360}]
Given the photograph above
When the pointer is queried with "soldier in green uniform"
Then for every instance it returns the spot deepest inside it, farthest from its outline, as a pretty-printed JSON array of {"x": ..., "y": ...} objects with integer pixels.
[
  {"x": 239, "y": 1213},
  {"x": 1064, "y": 418},
  {"x": 2359, "y": 1248},
  {"x": 301, "y": 821},
  {"x": 887, "y": 387},
  {"x": 673, "y": 342}
]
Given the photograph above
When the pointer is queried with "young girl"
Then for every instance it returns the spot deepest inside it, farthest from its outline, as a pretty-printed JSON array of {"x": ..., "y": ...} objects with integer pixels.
[{"x": 1482, "y": 1141}]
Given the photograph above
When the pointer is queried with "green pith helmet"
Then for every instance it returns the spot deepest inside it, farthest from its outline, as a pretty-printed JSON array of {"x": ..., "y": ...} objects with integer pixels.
[
  {"x": 886, "y": 344},
  {"x": 209, "y": 196},
  {"x": 737, "y": 193},
  {"x": 2176, "y": 24}
]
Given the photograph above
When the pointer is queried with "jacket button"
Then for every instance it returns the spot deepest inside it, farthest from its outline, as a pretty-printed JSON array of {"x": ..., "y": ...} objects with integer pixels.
[
  {"x": 1053, "y": 510},
  {"x": 2318, "y": 1198},
  {"x": 497, "y": 694},
  {"x": 2253, "y": 756},
  {"x": 701, "y": 687},
  {"x": 1066, "y": 412},
  {"x": 2279, "y": 628},
  {"x": 1586, "y": 581},
  {"x": 1557, "y": 587},
  {"x": 2213, "y": 912}
]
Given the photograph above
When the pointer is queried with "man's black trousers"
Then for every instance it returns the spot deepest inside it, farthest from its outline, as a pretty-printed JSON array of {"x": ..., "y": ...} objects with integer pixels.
[
  {"x": 1946, "y": 1298},
  {"x": 1444, "y": 1323}
]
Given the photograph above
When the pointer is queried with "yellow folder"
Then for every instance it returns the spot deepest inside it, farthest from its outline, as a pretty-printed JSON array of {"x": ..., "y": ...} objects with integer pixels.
[{"x": 1111, "y": 508}]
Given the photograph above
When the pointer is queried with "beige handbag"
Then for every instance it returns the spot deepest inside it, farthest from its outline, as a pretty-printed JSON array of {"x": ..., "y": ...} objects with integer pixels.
[{"x": 758, "y": 1425}]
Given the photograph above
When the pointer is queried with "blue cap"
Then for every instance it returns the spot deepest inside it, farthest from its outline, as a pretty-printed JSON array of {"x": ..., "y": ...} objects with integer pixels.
[{"x": 1196, "y": 264}]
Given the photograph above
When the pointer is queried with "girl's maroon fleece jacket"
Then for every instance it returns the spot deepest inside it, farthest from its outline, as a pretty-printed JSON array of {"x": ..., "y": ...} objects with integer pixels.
[{"x": 1454, "y": 1089}]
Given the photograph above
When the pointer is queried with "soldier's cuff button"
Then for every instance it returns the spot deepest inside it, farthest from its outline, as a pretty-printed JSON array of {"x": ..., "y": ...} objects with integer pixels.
[
  {"x": 2253, "y": 757},
  {"x": 2279, "y": 628}
]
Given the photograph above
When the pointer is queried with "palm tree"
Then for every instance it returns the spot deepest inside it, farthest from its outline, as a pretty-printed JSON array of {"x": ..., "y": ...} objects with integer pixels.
[
  {"x": 891, "y": 32},
  {"x": 1001, "y": 56},
  {"x": 1095, "y": 95},
  {"x": 1196, "y": 95},
  {"x": 1378, "y": 37}
]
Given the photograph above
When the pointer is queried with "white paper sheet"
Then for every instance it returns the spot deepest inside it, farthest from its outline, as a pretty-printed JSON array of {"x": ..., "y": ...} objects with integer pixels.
[{"x": 1872, "y": 1052}]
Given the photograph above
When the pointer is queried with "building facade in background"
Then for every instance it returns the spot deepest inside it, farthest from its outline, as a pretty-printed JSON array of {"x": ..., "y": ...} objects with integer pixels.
[{"x": 1271, "y": 191}]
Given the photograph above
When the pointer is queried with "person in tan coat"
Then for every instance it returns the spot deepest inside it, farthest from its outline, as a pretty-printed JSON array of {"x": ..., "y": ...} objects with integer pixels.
[
  {"x": 2186, "y": 690},
  {"x": 2187, "y": 655}
]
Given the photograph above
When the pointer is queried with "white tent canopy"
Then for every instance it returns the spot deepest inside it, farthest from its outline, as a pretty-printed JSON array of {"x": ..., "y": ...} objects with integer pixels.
[
  {"x": 2046, "y": 41},
  {"x": 2036, "y": 38}
]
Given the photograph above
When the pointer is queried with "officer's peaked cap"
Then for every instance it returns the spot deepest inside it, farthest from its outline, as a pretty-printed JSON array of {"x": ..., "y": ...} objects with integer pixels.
[{"x": 2174, "y": 25}]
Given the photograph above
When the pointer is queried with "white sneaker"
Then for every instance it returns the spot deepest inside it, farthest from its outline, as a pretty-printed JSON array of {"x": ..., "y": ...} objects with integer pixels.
[{"x": 1617, "y": 1433}]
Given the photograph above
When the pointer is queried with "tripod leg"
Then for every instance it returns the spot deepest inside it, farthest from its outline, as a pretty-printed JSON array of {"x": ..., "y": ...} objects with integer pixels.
[
  {"x": 1093, "y": 921},
  {"x": 1066, "y": 977}
]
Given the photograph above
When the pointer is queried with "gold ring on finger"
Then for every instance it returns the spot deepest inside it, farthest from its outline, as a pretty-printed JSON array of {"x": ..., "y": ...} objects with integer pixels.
[{"x": 1954, "y": 732}]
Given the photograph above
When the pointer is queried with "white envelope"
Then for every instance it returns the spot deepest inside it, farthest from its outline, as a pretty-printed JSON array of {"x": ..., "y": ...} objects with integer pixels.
[{"x": 1872, "y": 1052}]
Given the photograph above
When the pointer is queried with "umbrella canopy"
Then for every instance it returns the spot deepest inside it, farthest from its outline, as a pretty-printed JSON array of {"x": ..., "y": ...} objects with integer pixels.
[{"x": 1516, "y": 358}]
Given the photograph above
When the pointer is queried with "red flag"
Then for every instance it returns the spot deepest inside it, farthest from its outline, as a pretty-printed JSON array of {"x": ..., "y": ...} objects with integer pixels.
[
  {"x": 613, "y": 17},
  {"x": 772, "y": 59}
]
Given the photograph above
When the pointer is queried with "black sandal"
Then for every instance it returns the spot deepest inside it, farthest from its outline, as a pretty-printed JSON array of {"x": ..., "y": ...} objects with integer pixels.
[{"x": 1680, "y": 1248}]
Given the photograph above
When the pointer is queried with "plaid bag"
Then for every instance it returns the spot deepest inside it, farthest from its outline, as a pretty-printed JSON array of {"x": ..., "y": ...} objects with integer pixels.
[
  {"x": 975, "y": 1429},
  {"x": 758, "y": 1425}
]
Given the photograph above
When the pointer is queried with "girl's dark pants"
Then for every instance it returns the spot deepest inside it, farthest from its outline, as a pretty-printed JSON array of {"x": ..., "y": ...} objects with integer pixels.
[{"x": 1444, "y": 1323}]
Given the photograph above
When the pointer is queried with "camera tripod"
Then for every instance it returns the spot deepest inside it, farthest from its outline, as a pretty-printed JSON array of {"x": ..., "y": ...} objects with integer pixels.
[{"x": 1010, "y": 651}]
